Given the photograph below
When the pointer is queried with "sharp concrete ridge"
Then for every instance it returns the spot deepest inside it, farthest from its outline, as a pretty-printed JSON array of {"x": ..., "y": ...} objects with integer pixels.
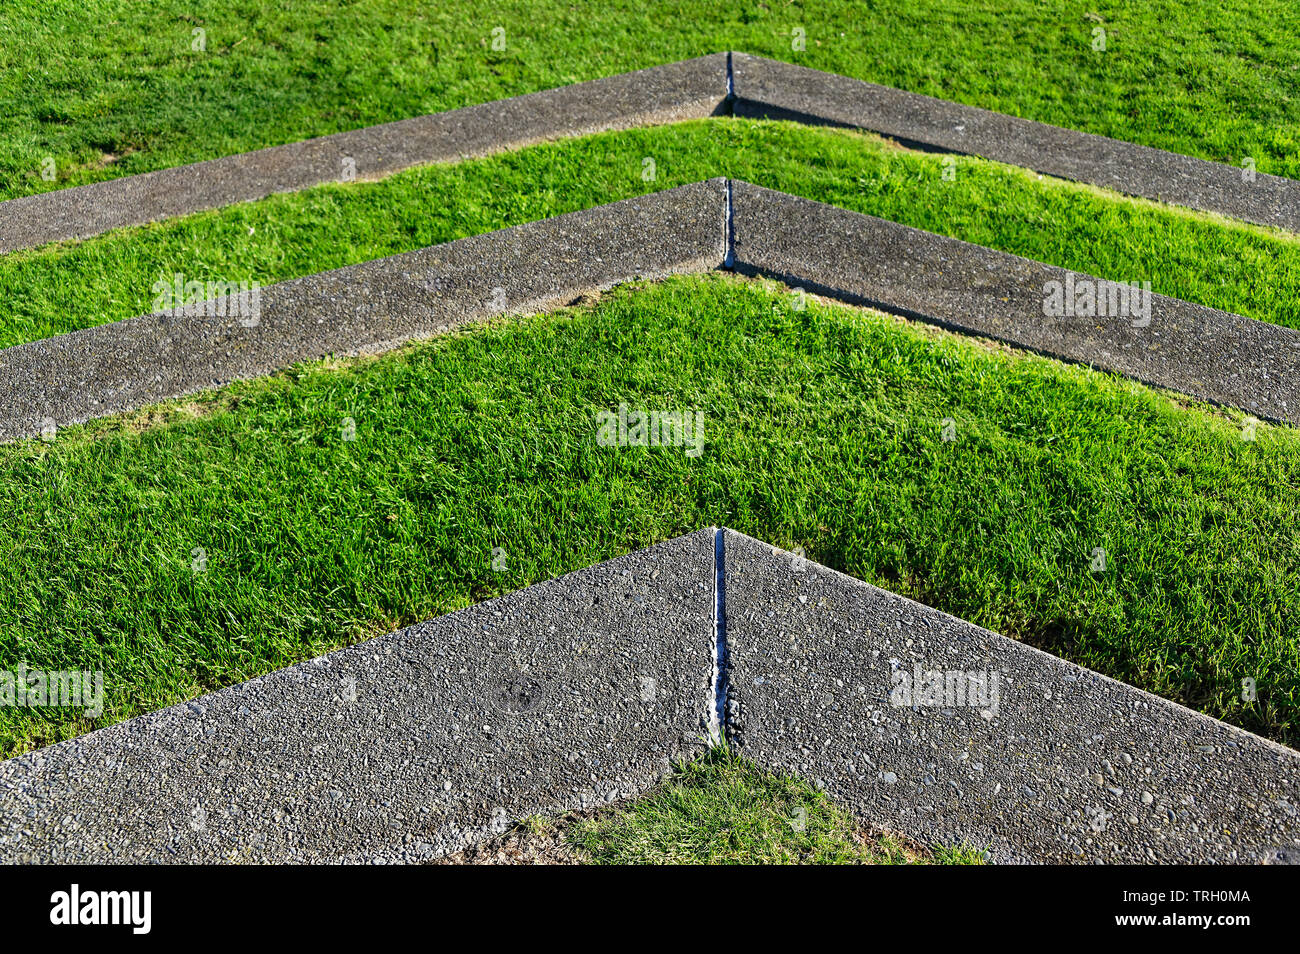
[
  {"x": 717, "y": 84},
  {"x": 368, "y": 307},
  {"x": 770, "y": 89},
  {"x": 664, "y": 94},
  {"x": 1203, "y": 352},
  {"x": 582, "y": 689},
  {"x": 565, "y": 695},
  {"x": 1066, "y": 765}
]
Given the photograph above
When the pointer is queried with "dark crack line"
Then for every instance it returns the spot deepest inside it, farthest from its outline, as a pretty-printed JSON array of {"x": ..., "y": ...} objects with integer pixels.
[
  {"x": 729, "y": 261},
  {"x": 718, "y": 718}
]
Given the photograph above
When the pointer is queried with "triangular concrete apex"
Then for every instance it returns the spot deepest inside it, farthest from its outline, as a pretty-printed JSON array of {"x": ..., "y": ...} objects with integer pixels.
[
  {"x": 584, "y": 689},
  {"x": 1032, "y": 756}
]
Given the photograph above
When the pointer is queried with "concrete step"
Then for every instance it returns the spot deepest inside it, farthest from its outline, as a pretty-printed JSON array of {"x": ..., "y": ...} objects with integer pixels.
[
  {"x": 578, "y": 691},
  {"x": 690, "y": 89},
  {"x": 717, "y": 84},
  {"x": 1202, "y": 352}
]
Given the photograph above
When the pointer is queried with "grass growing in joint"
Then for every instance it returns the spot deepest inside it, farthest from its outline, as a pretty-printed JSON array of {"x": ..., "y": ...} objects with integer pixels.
[{"x": 336, "y": 502}]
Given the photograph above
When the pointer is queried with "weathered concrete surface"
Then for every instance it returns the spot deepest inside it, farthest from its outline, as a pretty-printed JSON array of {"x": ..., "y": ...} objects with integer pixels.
[
  {"x": 583, "y": 689},
  {"x": 663, "y": 94},
  {"x": 1068, "y": 766},
  {"x": 770, "y": 89},
  {"x": 361, "y": 308},
  {"x": 567, "y": 694},
  {"x": 1203, "y": 352}
]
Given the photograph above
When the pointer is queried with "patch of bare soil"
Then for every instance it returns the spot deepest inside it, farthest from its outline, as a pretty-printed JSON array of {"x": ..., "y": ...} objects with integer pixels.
[{"x": 519, "y": 847}]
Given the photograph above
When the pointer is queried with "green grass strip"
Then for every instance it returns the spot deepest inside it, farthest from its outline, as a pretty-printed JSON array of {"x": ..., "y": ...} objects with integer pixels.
[
  {"x": 1187, "y": 255},
  {"x": 823, "y": 429}
]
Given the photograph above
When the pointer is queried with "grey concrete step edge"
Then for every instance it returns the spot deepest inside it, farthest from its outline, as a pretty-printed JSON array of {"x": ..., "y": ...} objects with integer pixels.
[
  {"x": 583, "y": 689},
  {"x": 664, "y": 94},
  {"x": 1203, "y": 352},
  {"x": 771, "y": 89},
  {"x": 1059, "y": 764},
  {"x": 720, "y": 83},
  {"x": 569, "y": 694},
  {"x": 369, "y": 307}
]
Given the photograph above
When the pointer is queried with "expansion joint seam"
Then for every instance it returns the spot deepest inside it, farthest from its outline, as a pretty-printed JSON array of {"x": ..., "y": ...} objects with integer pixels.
[
  {"x": 729, "y": 229},
  {"x": 718, "y": 717}
]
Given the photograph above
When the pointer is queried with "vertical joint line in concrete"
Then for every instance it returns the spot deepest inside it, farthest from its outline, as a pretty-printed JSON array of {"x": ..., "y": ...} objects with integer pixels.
[
  {"x": 729, "y": 227},
  {"x": 718, "y": 717},
  {"x": 730, "y": 100}
]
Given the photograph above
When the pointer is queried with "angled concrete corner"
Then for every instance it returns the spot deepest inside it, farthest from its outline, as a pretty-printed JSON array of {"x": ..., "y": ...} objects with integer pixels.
[
  {"x": 583, "y": 689},
  {"x": 1203, "y": 352},
  {"x": 770, "y": 89},
  {"x": 663, "y": 94},
  {"x": 1066, "y": 765},
  {"x": 564, "y": 695},
  {"x": 361, "y": 308}
]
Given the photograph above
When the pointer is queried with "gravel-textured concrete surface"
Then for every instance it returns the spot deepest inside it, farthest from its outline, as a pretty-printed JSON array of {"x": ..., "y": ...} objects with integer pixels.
[
  {"x": 362, "y": 308},
  {"x": 770, "y": 89},
  {"x": 1067, "y": 766},
  {"x": 566, "y": 695},
  {"x": 580, "y": 691},
  {"x": 1203, "y": 352},
  {"x": 662, "y": 94}
]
